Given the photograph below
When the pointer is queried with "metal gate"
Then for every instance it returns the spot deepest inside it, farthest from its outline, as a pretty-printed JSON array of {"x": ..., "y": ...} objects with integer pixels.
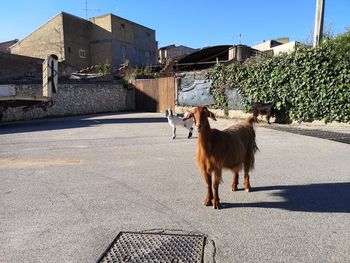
[{"x": 155, "y": 95}]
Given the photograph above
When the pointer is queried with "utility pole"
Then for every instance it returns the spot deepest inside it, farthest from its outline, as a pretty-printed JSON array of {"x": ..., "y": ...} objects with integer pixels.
[
  {"x": 318, "y": 31},
  {"x": 86, "y": 9}
]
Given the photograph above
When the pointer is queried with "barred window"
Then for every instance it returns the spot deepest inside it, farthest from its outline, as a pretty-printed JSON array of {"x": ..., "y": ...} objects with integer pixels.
[{"x": 82, "y": 53}]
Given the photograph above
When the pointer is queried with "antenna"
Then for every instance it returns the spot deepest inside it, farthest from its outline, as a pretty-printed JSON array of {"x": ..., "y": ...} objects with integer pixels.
[
  {"x": 239, "y": 37},
  {"x": 87, "y": 9}
]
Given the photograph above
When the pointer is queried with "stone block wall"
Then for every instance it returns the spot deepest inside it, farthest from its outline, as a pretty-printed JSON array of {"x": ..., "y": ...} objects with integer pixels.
[{"x": 76, "y": 99}]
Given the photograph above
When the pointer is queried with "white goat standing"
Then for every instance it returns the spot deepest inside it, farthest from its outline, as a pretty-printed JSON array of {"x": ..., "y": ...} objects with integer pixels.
[{"x": 176, "y": 120}]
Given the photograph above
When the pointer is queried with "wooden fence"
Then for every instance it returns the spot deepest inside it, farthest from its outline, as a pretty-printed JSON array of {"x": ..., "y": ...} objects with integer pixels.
[{"x": 154, "y": 95}]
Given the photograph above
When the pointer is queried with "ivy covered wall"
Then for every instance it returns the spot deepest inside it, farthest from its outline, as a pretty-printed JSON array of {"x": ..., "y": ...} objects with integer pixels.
[{"x": 308, "y": 84}]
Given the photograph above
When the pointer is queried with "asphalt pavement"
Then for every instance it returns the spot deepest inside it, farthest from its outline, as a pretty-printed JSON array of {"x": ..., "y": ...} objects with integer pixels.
[{"x": 69, "y": 185}]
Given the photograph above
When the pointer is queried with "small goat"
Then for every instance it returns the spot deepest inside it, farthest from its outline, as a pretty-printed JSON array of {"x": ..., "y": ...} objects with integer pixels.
[
  {"x": 176, "y": 120},
  {"x": 231, "y": 149}
]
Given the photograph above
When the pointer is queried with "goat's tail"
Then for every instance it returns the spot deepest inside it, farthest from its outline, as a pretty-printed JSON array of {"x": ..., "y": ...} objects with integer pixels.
[{"x": 250, "y": 120}]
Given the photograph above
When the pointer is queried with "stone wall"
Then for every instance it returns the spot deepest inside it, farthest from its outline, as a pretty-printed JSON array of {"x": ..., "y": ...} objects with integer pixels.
[{"x": 76, "y": 99}]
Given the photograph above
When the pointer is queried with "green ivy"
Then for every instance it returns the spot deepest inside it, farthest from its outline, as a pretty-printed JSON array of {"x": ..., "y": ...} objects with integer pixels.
[
  {"x": 308, "y": 84},
  {"x": 104, "y": 68}
]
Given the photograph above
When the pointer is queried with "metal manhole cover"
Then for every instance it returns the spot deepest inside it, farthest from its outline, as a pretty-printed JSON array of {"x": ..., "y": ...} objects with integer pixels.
[{"x": 152, "y": 247}]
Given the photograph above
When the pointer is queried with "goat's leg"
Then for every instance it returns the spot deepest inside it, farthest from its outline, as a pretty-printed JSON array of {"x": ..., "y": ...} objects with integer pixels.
[
  {"x": 190, "y": 133},
  {"x": 209, "y": 196},
  {"x": 174, "y": 132},
  {"x": 216, "y": 181},
  {"x": 235, "y": 179},
  {"x": 246, "y": 178},
  {"x": 268, "y": 116},
  {"x": 255, "y": 116}
]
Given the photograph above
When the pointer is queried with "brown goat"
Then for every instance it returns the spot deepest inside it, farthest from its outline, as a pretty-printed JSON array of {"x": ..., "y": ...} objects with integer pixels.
[{"x": 230, "y": 148}]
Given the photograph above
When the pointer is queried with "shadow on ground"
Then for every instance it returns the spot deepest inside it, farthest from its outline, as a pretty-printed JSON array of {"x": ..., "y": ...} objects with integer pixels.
[
  {"x": 71, "y": 123},
  {"x": 322, "y": 134},
  {"x": 320, "y": 198}
]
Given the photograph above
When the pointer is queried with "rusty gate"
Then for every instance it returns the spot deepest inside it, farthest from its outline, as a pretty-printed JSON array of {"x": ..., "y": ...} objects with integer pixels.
[{"x": 155, "y": 95}]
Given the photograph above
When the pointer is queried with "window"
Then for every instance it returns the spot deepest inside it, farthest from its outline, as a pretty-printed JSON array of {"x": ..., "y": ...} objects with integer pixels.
[
  {"x": 82, "y": 53},
  {"x": 123, "y": 26},
  {"x": 69, "y": 50}
]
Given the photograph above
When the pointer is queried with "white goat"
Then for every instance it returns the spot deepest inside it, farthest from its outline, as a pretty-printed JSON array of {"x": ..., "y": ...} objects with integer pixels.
[{"x": 176, "y": 120}]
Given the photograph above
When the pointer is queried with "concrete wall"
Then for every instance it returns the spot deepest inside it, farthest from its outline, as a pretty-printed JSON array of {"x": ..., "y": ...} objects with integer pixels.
[
  {"x": 179, "y": 52},
  {"x": 193, "y": 89},
  {"x": 101, "y": 53},
  {"x": 146, "y": 46},
  {"x": 285, "y": 48},
  {"x": 123, "y": 30},
  {"x": 104, "y": 39},
  {"x": 47, "y": 39},
  {"x": 103, "y": 21},
  {"x": 277, "y": 47},
  {"x": 116, "y": 39},
  {"x": 173, "y": 52},
  {"x": 4, "y": 46},
  {"x": 64, "y": 35},
  {"x": 239, "y": 52},
  {"x": 101, "y": 40},
  {"x": 76, "y": 39},
  {"x": 15, "y": 66},
  {"x": 75, "y": 99}
]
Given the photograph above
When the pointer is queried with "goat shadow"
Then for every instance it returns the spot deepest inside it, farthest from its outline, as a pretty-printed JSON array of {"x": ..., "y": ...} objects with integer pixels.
[{"x": 318, "y": 198}]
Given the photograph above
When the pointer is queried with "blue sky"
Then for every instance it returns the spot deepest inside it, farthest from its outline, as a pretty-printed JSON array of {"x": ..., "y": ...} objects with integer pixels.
[{"x": 194, "y": 23}]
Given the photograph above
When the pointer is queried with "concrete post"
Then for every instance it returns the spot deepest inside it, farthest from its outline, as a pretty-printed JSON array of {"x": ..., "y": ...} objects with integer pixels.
[{"x": 318, "y": 31}]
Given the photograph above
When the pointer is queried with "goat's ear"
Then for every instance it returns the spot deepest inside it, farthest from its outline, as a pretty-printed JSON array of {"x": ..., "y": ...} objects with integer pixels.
[
  {"x": 211, "y": 115},
  {"x": 188, "y": 116}
]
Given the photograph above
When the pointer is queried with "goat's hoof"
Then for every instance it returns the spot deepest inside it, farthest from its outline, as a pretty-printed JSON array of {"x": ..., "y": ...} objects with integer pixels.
[
  {"x": 247, "y": 189},
  {"x": 173, "y": 138},
  {"x": 217, "y": 206},
  {"x": 207, "y": 202},
  {"x": 234, "y": 188}
]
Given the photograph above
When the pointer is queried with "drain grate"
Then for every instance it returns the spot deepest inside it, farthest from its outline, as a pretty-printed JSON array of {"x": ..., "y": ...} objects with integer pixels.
[
  {"x": 152, "y": 247},
  {"x": 328, "y": 135}
]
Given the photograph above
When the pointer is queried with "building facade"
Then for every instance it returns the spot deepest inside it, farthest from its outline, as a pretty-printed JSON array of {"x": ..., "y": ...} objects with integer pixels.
[
  {"x": 173, "y": 52},
  {"x": 119, "y": 39},
  {"x": 277, "y": 46},
  {"x": 81, "y": 43},
  {"x": 4, "y": 46}
]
